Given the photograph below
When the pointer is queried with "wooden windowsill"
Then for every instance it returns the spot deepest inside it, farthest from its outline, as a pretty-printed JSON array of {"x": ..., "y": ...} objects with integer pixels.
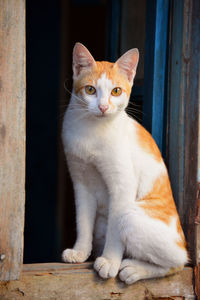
[{"x": 59, "y": 281}]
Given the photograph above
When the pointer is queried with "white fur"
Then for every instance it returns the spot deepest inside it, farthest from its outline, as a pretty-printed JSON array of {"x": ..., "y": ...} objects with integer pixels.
[
  {"x": 110, "y": 173},
  {"x": 132, "y": 270}
]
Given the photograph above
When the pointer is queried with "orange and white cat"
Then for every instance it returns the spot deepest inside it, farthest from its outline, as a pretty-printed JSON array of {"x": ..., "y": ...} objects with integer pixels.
[{"x": 124, "y": 204}]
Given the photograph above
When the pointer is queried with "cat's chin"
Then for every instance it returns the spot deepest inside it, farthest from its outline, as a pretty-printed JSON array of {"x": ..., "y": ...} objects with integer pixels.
[
  {"x": 105, "y": 115},
  {"x": 102, "y": 115}
]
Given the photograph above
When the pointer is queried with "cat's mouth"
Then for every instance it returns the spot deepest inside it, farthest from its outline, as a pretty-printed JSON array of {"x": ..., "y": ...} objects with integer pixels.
[{"x": 102, "y": 115}]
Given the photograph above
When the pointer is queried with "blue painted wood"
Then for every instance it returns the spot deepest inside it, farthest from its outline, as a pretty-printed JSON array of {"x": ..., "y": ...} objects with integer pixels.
[
  {"x": 159, "y": 78},
  {"x": 155, "y": 67}
]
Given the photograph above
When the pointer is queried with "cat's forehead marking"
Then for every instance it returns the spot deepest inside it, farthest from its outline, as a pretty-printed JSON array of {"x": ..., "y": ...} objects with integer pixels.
[
  {"x": 110, "y": 74},
  {"x": 104, "y": 73},
  {"x": 104, "y": 82}
]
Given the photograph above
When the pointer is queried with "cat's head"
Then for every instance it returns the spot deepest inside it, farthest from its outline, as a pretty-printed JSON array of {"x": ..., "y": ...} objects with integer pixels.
[{"x": 103, "y": 88}]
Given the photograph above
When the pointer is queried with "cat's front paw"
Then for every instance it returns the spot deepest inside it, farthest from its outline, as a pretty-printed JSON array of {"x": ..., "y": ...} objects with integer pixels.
[
  {"x": 106, "y": 268},
  {"x": 74, "y": 256}
]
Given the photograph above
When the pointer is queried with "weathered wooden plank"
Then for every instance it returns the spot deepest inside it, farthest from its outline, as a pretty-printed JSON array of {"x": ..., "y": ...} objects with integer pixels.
[
  {"x": 177, "y": 71},
  {"x": 184, "y": 122},
  {"x": 66, "y": 281},
  {"x": 197, "y": 233},
  {"x": 184, "y": 96},
  {"x": 12, "y": 136},
  {"x": 55, "y": 268},
  {"x": 192, "y": 102},
  {"x": 197, "y": 280}
]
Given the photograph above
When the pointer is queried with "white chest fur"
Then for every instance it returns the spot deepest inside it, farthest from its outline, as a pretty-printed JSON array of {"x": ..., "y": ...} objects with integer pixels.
[{"x": 111, "y": 142}]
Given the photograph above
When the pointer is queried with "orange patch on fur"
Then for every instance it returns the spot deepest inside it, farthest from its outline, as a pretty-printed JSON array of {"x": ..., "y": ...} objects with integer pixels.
[
  {"x": 112, "y": 72},
  {"x": 182, "y": 242},
  {"x": 147, "y": 143},
  {"x": 159, "y": 204},
  {"x": 110, "y": 102}
]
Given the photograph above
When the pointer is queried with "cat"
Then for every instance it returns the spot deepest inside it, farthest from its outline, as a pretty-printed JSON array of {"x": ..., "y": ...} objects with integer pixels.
[{"x": 124, "y": 204}]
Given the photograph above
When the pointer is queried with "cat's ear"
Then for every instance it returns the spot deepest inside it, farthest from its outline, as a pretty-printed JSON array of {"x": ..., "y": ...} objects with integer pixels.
[
  {"x": 128, "y": 62},
  {"x": 82, "y": 59}
]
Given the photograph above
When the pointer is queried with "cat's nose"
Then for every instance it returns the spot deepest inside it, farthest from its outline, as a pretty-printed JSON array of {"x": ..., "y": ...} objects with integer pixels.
[{"x": 103, "y": 108}]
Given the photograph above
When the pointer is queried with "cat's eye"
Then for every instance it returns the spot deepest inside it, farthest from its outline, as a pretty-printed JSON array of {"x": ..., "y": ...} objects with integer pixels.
[
  {"x": 116, "y": 91},
  {"x": 90, "y": 90}
]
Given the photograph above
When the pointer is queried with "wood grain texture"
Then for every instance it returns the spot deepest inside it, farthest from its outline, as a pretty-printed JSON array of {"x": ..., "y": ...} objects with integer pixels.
[
  {"x": 197, "y": 280},
  {"x": 12, "y": 136},
  {"x": 184, "y": 95},
  {"x": 192, "y": 97},
  {"x": 79, "y": 282}
]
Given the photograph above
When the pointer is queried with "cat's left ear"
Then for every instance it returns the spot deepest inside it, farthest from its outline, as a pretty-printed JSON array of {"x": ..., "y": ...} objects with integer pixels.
[
  {"x": 82, "y": 59},
  {"x": 128, "y": 62}
]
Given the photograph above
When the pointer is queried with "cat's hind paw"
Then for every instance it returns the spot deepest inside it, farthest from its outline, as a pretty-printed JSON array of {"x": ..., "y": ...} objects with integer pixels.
[
  {"x": 130, "y": 272},
  {"x": 74, "y": 256},
  {"x": 106, "y": 268}
]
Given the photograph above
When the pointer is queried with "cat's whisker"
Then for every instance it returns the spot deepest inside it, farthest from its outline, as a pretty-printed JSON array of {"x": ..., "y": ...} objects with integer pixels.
[
  {"x": 73, "y": 94},
  {"x": 76, "y": 108},
  {"x": 134, "y": 109},
  {"x": 64, "y": 84},
  {"x": 134, "y": 103},
  {"x": 82, "y": 116},
  {"x": 134, "y": 116}
]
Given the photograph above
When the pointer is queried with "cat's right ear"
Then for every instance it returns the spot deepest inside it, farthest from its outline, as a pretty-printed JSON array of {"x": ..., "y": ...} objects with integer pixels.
[
  {"x": 82, "y": 59},
  {"x": 128, "y": 62}
]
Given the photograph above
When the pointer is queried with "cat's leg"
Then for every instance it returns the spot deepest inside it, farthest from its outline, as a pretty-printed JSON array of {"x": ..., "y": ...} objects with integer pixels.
[
  {"x": 99, "y": 234},
  {"x": 132, "y": 270},
  {"x": 108, "y": 264},
  {"x": 118, "y": 174},
  {"x": 154, "y": 246},
  {"x": 85, "y": 212}
]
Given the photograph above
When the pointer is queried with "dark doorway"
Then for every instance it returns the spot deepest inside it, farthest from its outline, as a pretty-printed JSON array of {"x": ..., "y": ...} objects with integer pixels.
[{"x": 107, "y": 28}]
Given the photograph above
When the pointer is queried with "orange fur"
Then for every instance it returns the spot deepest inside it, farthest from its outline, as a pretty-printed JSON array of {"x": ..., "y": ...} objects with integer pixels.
[
  {"x": 182, "y": 242},
  {"x": 110, "y": 102},
  {"x": 147, "y": 143},
  {"x": 159, "y": 204},
  {"x": 112, "y": 72}
]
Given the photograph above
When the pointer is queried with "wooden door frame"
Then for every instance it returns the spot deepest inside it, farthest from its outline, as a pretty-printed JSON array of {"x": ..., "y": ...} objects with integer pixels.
[
  {"x": 184, "y": 97},
  {"x": 183, "y": 121},
  {"x": 12, "y": 137},
  {"x": 12, "y": 129}
]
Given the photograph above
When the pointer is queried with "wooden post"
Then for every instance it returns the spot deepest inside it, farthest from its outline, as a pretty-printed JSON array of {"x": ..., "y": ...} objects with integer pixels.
[
  {"x": 12, "y": 136},
  {"x": 184, "y": 113},
  {"x": 184, "y": 122}
]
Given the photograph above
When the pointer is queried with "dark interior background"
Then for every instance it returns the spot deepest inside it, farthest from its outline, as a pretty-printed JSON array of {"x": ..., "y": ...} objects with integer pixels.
[
  {"x": 107, "y": 28},
  {"x": 43, "y": 76}
]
